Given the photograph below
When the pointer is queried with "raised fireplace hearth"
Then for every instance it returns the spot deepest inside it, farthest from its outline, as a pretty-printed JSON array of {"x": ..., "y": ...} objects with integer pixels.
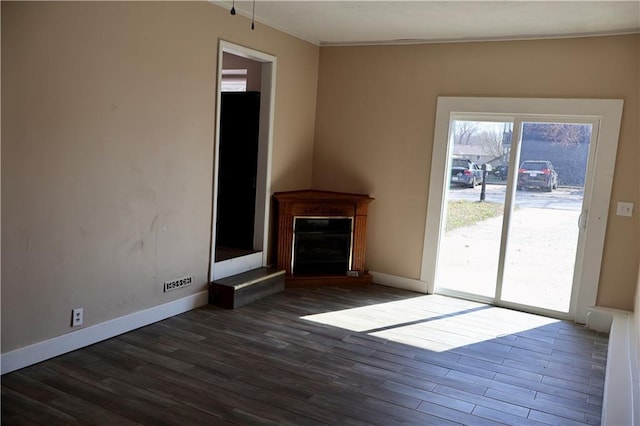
[{"x": 322, "y": 237}]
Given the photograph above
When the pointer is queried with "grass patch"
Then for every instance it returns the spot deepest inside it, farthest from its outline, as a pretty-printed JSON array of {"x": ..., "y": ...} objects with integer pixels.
[{"x": 463, "y": 213}]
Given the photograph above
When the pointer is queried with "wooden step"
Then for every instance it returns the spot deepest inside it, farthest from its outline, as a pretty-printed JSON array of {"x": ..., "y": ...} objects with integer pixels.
[{"x": 238, "y": 290}]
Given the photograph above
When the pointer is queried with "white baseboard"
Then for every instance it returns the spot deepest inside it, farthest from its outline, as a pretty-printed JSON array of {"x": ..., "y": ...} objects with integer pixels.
[
  {"x": 55, "y": 346},
  {"x": 621, "y": 400},
  {"x": 399, "y": 282},
  {"x": 600, "y": 319}
]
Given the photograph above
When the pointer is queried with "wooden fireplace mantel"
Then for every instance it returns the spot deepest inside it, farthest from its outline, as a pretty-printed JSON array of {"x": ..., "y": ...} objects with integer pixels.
[{"x": 313, "y": 203}]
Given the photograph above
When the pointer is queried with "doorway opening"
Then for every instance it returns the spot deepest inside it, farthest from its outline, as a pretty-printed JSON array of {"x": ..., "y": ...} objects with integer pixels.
[
  {"x": 533, "y": 164},
  {"x": 244, "y": 122}
]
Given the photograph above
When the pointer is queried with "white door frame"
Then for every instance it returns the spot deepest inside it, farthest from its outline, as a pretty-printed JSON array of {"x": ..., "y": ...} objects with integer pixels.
[
  {"x": 237, "y": 265},
  {"x": 606, "y": 112}
]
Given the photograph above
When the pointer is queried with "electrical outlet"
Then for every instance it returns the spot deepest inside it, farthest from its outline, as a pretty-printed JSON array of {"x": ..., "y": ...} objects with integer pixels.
[
  {"x": 624, "y": 209},
  {"x": 76, "y": 317},
  {"x": 179, "y": 283}
]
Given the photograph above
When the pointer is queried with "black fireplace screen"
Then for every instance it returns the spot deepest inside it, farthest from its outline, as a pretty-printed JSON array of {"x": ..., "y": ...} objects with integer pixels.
[{"x": 322, "y": 246}]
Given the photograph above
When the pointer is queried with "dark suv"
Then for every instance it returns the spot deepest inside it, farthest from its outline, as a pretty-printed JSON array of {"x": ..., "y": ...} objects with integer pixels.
[
  {"x": 465, "y": 172},
  {"x": 537, "y": 174},
  {"x": 501, "y": 172}
]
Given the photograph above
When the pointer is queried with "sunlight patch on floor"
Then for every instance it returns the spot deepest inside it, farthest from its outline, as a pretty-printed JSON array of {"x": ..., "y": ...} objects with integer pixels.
[{"x": 433, "y": 322}]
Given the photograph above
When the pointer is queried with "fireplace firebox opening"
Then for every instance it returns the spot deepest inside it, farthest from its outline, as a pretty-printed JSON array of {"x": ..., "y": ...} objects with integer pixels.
[{"x": 322, "y": 245}]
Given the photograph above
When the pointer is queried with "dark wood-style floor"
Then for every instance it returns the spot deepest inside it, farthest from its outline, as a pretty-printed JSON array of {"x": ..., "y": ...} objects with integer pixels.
[{"x": 368, "y": 355}]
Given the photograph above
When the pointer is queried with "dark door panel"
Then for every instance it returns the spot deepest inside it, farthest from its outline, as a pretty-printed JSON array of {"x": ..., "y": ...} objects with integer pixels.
[{"x": 237, "y": 174}]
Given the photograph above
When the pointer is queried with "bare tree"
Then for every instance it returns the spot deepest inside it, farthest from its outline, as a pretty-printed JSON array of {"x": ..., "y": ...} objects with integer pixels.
[
  {"x": 566, "y": 134},
  {"x": 463, "y": 131},
  {"x": 492, "y": 143}
]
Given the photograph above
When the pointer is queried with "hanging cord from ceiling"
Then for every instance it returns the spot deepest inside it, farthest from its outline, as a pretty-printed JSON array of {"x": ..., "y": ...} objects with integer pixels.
[{"x": 253, "y": 13}]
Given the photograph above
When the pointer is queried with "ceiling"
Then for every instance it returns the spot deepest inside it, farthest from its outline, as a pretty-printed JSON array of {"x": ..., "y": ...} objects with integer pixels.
[{"x": 327, "y": 23}]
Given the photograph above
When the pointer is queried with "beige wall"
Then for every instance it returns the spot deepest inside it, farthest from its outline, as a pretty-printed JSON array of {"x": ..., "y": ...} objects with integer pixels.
[
  {"x": 375, "y": 123},
  {"x": 107, "y": 154},
  {"x": 636, "y": 315}
]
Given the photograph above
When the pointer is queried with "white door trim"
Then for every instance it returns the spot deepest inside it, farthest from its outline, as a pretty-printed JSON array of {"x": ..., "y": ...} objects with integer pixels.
[
  {"x": 223, "y": 269},
  {"x": 606, "y": 111}
]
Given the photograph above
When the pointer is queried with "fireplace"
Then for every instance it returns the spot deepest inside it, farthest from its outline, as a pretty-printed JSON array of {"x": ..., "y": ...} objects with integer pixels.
[
  {"x": 321, "y": 237},
  {"x": 321, "y": 245}
]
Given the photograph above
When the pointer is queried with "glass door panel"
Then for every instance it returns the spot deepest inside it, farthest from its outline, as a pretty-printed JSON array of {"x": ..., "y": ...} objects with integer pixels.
[
  {"x": 470, "y": 245},
  {"x": 543, "y": 233},
  {"x": 533, "y": 251}
]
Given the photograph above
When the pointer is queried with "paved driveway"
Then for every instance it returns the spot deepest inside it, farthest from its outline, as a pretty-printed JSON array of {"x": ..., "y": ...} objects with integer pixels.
[
  {"x": 563, "y": 198},
  {"x": 540, "y": 254}
]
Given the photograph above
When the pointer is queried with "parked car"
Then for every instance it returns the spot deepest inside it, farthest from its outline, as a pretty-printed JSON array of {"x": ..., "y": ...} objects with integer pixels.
[
  {"x": 465, "y": 172},
  {"x": 537, "y": 174},
  {"x": 501, "y": 172}
]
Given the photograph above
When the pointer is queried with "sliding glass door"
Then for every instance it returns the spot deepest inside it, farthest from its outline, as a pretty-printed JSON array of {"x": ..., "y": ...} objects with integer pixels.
[
  {"x": 545, "y": 226},
  {"x": 470, "y": 245},
  {"x": 513, "y": 209}
]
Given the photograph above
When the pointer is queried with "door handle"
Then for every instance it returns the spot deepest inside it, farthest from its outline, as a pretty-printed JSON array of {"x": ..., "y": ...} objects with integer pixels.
[{"x": 582, "y": 220}]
